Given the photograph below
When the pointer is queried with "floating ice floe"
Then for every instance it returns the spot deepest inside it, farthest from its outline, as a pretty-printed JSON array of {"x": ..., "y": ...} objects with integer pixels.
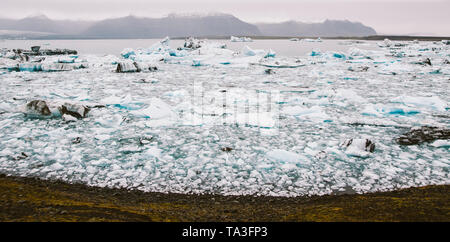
[
  {"x": 126, "y": 66},
  {"x": 71, "y": 111},
  {"x": 314, "y": 113},
  {"x": 358, "y": 147},
  {"x": 359, "y": 68},
  {"x": 196, "y": 53},
  {"x": 287, "y": 157},
  {"x": 312, "y": 40},
  {"x": 380, "y": 110},
  {"x": 192, "y": 43},
  {"x": 127, "y": 53},
  {"x": 250, "y": 52},
  {"x": 9, "y": 64},
  {"x": 240, "y": 39},
  {"x": 431, "y": 103},
  {"x": 55, "y": 67},
  {"x": 158, "y": 112},
  {"x": 386, "y": 43}
]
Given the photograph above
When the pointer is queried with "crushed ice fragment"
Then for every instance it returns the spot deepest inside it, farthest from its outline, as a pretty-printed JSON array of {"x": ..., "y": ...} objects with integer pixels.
[{"x": 358, "y": 147}]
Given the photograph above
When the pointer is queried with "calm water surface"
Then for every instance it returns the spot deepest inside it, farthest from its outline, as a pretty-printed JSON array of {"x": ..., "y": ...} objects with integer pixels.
[{"x": 282, "y": 47}]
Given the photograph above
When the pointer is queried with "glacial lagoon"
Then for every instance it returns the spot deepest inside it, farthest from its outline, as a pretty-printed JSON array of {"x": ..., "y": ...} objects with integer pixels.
[{"x": 268, "y": 117}]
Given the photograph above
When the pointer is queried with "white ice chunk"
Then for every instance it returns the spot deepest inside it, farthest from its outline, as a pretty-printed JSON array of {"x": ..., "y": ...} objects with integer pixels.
[{"x": 286, "y": 156}]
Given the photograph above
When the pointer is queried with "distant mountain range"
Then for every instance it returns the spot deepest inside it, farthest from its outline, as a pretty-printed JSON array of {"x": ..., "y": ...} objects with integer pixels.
[
  {"x": 329, "y": 28},
  {"x": 223, "y": 25}
]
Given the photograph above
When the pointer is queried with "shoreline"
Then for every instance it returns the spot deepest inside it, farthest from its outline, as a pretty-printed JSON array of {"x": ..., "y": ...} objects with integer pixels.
[{"x": 33, "y": 199}]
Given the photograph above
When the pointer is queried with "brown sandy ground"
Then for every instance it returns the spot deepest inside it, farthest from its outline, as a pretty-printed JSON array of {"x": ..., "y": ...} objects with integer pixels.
[{"x": 30, "y": 199}]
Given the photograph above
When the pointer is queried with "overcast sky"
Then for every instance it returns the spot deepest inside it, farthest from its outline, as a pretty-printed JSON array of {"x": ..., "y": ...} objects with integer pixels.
[{"x": 386, "y": 17}]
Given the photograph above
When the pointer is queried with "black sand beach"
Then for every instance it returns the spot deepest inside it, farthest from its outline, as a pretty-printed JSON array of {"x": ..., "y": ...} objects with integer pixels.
[{"x": 30, "y": 199}]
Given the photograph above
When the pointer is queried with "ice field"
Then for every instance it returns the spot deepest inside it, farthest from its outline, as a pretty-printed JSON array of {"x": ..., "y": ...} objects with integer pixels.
[{"x": 203, "y": 118}]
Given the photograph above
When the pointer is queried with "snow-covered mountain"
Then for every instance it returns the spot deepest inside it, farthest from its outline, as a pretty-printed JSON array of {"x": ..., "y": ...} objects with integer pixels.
[
  {"x": 178, "y": 25},
  {"x": 173, "y": 26}
]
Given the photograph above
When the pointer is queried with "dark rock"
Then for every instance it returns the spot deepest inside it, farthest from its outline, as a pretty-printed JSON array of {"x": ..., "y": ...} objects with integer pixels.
[
  {"x": 38, "y": 107},
  {"x": 227, "y": 149},
  {"x": 97, "y": 106},
  {"x": 269, "y": 71},
  {"x": 423, "y": 134},
  {"x": 359, "y": 69},
  {"x": 77, "y": 140}
]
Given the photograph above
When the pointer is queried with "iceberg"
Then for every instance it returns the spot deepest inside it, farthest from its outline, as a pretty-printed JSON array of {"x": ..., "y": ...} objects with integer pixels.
[
  {"x": 30, "y": 67},
  {"x": 358, "y": 147},
  {"x": 312, "y": 40},
  {"x": 240, "y": 39},
  {"x": 127, "y": 53},
  {"x": 386, "y": 43},
  {"x": 37, "y": 108},
  {"x": 52, "y": 67},
  {"x": 315, "y": 53},
  {"x": 127, "y": 66},
  {"x": 70, "y": 111},
  {"x": 270, "y": 53},
  {"x": 67, "y": 59},
  {"x": 250, "y": 52},
  {"x": 192, "y": 43}
]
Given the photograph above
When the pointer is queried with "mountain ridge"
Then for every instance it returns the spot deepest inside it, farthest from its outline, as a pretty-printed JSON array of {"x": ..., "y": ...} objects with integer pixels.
[{"x": 179, "y": 25}]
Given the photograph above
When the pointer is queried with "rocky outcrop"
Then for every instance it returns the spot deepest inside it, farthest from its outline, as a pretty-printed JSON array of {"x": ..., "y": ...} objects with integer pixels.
[{"x": 423, "y": 134}]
